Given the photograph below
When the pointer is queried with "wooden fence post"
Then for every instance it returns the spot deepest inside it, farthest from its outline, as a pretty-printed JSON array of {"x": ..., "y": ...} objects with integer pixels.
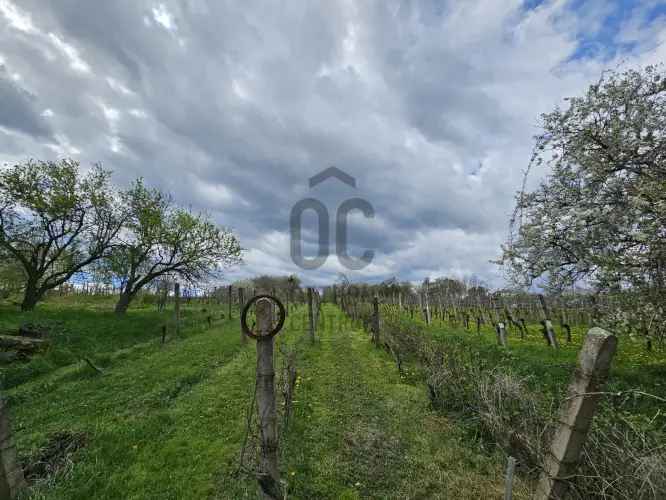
[
  {"x": 241, "y": 303},
  {"x": 268, "y": 475},
  {"x": 576, "y": 414},
  {"x": 311, "y": 326},
  {"x": 375, "y": 320},
  {"x": 11, "y": 474},
  {"x": 229, "y": 299},
  {"x": 176, "y": 306}
]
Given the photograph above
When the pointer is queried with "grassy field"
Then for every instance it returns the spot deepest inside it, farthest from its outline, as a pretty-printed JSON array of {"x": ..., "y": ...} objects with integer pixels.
[
  {"x": 634, "y": 369},
  {"x": 168, "y": 421}
]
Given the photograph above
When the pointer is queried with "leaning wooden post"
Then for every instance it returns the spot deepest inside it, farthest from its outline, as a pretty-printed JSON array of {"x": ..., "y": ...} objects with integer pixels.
[
  {"x": 176, "y": 306},
  {"x": 375, "y": 320},
  {"x": 576, "y": 414},
  {"x": 311, "y": 325},
  {"x": 11, "y": 474},
  {"x": 269, "y": 472}
]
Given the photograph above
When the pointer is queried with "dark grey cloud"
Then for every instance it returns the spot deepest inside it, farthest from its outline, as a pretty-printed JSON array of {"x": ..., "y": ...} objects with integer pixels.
[
  {"x": 233, "y": 106},
  {"x": 19, "y": 109}
]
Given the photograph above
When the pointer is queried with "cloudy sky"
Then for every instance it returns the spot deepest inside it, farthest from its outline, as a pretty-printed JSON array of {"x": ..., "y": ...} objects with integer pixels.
[{"x": 233, "y": 106}]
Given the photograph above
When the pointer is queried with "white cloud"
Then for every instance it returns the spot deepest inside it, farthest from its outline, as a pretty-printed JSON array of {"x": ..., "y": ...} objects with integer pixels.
[
  {"x": 164, "y": 17},
  {"x": 71, "y": 52},
  {"x": 118, "y": 86},
  {"x": 138, "y": 113},
  {"x": 63, "y": 146},
  {"x": 16, "y": 18}
]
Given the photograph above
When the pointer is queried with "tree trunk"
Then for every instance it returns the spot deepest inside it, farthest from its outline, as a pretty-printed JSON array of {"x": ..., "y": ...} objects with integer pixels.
[
  {"x": 31, "y": 296},
  {"x": 123, "y": 302}
]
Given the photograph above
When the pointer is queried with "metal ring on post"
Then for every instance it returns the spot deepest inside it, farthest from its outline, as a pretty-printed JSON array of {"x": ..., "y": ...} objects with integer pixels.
[{"x": 274, "y": 331}]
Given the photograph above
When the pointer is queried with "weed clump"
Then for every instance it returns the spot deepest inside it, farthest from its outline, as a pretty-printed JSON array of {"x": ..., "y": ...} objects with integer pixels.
[{"x": 55, "y": 457}]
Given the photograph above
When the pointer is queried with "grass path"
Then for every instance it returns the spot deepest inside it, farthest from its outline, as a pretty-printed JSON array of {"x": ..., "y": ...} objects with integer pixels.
[
  {"x": 168, "y": 422},
  {"x": 361, "y": 432}
]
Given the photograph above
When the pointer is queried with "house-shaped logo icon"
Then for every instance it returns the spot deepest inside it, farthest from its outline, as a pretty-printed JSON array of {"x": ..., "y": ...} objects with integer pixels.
[{"x": 332, "y": 172}]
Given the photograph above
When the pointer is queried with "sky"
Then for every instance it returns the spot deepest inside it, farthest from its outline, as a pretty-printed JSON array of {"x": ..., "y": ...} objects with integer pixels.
[{"x": 233, "y": 106}]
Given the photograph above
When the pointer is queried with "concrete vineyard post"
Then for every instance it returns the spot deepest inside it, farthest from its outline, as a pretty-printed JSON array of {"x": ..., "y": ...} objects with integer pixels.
[
  {"x": 11, "y": 474},
  {"x": 501, "y": 334},
  {"x": 426, "y": 302},
  {"x": 550, "y": 331},
  {"x": 576, "y": 414}
]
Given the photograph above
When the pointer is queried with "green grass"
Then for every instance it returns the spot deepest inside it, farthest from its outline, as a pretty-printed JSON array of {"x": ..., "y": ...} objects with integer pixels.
[
  {"x": 85, "y": 326},
  {"x": 147, "y": 414},
  {"x": 168, "y": 421}
]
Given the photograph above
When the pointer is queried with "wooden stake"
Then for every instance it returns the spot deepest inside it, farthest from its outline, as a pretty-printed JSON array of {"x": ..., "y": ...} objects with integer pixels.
[
  {"x": 375, "y": 320},
  {"x": 229, "y": 299},
  {"x": 11, "y": 474},
  {"x": 311, "y": 324},
  {"x": 176, "y": 306},
  {"x": 241, "y": 303}
]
